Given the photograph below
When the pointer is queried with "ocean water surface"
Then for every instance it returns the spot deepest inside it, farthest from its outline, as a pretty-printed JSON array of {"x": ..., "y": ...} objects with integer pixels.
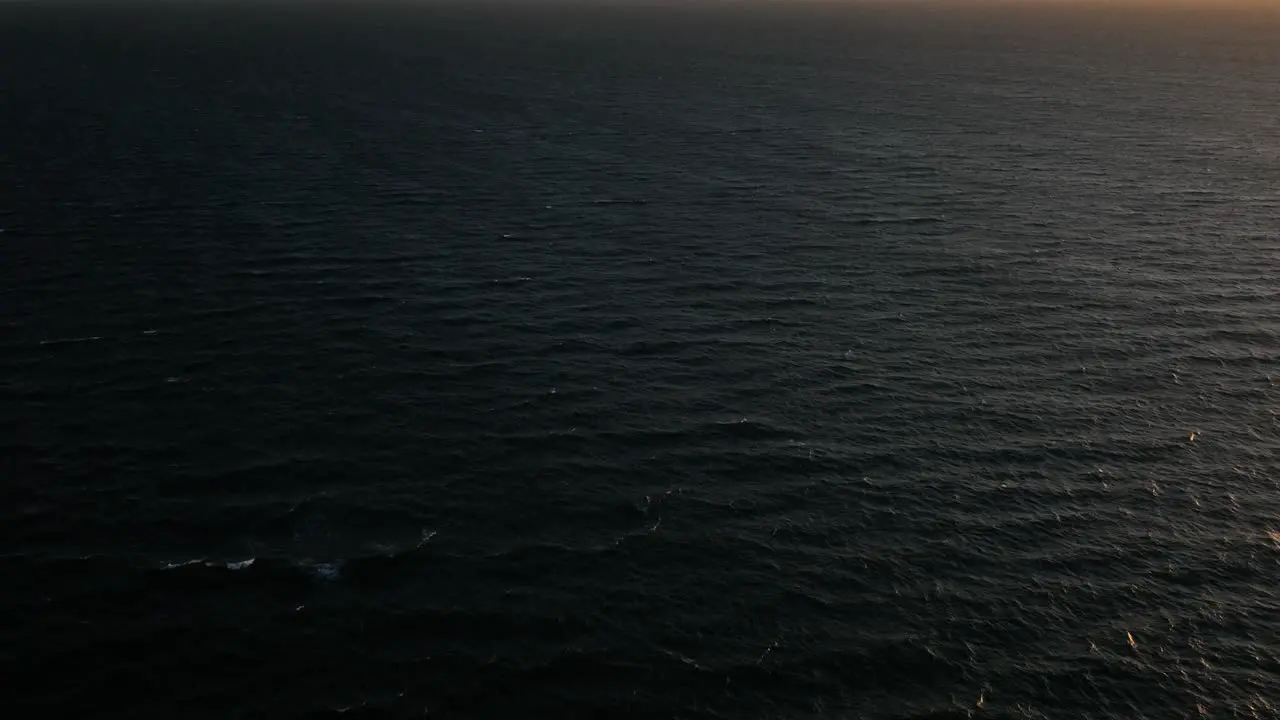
[{"x": 764, "y": 361}]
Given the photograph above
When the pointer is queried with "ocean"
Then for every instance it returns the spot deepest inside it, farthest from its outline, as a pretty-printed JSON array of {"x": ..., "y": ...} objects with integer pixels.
[{"x": 700, "y": 360}]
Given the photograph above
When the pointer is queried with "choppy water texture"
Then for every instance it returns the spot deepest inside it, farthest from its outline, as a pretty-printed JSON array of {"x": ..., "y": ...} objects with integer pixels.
[{"x": 858, "y": 362}]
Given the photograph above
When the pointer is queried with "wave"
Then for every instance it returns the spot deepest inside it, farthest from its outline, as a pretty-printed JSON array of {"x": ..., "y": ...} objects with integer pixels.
[
  {"x": 71, "y": 341},
  {"x": 225, "y": 564}
]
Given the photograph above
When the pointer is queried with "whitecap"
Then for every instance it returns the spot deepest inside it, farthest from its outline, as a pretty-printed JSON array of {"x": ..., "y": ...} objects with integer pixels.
[
  {"x": 241, "y": 565},
  {"x": 184, "y": 563}
]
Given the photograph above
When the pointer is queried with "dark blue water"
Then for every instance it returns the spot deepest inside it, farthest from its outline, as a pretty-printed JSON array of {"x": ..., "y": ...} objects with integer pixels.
[{"x": 744, "y": 362}]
